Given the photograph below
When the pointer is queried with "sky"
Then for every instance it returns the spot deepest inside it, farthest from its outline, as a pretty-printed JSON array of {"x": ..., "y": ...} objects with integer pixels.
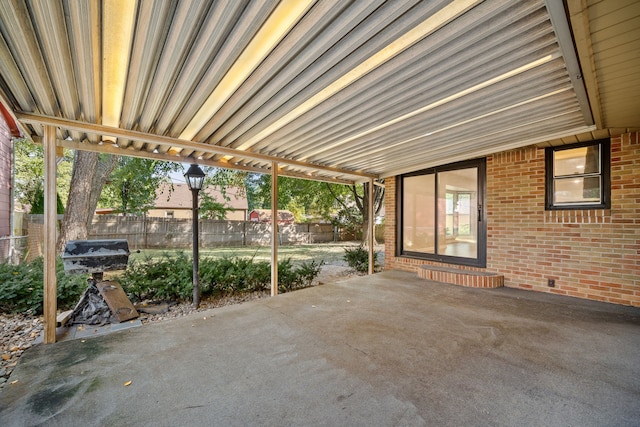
[{"x": 178, "y": 177}]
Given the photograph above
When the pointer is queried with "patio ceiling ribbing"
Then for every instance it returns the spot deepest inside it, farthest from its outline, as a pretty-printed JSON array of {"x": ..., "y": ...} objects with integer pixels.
[{"x": 318, "y": 85}]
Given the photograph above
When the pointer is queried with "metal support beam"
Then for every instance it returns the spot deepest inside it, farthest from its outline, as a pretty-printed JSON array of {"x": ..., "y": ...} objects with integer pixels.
[
  {"x": 110, "y": 149},
  {"x": 371, "y": 219},
  {"x": 177, "y": 144},
  {"x": 50, "y": 217},
  {"x": 274, "y": 229}
]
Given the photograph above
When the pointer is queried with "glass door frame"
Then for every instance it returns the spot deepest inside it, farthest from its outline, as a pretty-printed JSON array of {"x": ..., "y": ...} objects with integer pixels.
[{"x": 481, "y": 257}]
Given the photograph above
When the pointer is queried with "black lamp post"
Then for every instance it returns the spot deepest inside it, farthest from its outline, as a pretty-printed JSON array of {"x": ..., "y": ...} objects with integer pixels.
[{"x": 195, "y": 179}]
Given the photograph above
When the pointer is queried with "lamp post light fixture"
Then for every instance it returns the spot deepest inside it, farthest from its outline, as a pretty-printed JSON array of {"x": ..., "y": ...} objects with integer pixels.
[{"x": 195, "y": 179}]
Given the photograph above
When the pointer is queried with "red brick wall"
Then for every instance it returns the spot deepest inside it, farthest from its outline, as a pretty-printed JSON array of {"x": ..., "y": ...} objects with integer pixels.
[{"x": 593, "y": 254}]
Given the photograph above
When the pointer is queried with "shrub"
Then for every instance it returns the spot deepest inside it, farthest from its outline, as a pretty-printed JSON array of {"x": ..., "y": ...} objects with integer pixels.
[
  {"x": 233, "y": 275},
  {"x": 287, "y": 278},
  {"x": 258, "y": 276},
  {"x": 170, "y": 278},
  {"x": 218, "y": 276},
  {"x": 22, "y": 287},
  {"x": 307, "y": 271},
  {"x": 358, "y": 259},
  {"x": 291, "y": 278},
  {"x": 166, "y": 278}
]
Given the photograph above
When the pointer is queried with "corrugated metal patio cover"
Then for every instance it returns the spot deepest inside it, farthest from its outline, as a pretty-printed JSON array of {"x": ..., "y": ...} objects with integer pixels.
[{"x": 331, "y": 89}]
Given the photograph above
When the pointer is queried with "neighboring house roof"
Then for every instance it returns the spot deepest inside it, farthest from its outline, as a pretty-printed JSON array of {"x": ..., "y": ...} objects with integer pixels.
[
  {"x": 180, "y": 197},
  {"x": 264, "y": 215}
]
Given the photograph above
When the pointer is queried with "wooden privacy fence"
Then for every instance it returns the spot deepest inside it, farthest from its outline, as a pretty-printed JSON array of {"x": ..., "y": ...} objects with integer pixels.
[
  {"x": 165, "y": 233},
  {"x": 162, "y": 233},
  {"x": 11, "y": 247}
]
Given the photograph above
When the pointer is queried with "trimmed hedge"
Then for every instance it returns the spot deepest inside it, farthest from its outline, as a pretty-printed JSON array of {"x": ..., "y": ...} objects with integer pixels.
[
  {"x": 22, "y": 287},
  {"x": 170, "y": 276}
]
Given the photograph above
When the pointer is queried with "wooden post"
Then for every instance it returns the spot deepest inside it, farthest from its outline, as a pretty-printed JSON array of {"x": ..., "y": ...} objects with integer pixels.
[
  {"x": 274, "y": 229},
  {"x": 371, "y": 226},
  {"x": 50, "y": 219}
]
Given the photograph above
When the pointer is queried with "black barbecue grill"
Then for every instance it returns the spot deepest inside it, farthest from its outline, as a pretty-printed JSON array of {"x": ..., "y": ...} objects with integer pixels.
[
  {"x": 103, "y": 301},
  {"x": 95, "y": 256}
]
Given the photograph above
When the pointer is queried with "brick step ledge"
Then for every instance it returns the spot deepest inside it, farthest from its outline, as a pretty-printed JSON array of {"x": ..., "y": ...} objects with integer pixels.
[{"x": 470, "y": 278}]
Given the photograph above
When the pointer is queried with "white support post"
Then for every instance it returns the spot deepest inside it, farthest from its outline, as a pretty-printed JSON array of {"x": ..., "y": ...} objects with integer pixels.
[
  {"x": 50, "y": 219},
  {"x": 371, "y": 226},
  {"x": 274, "y": 229}
]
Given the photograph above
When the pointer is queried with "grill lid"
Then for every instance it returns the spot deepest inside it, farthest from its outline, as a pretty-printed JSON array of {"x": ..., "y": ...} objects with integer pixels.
[{"x": 95, "y": 256}]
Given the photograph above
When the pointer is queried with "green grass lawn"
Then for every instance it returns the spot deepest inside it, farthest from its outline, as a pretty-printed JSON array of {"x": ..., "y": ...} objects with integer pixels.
[{"x": 330, "y": 253}]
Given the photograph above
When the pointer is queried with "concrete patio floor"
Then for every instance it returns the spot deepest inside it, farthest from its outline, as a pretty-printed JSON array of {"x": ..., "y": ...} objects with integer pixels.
[{"x": 382, "y": 350}]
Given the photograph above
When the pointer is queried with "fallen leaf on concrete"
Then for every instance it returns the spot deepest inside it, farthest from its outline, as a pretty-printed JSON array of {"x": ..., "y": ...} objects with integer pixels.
[{"x": 128, "y": 383}]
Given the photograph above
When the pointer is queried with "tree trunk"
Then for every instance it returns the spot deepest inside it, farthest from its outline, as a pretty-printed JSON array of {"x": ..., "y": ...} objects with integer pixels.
[
  {"x": 363, "y": 206},
  {"x": 106, "y": 164},
  {"x": 88, "y": 177}
]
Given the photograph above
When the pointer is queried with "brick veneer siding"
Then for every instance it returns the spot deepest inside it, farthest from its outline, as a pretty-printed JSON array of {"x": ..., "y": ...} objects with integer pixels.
[{"x": 592, "y": 254}]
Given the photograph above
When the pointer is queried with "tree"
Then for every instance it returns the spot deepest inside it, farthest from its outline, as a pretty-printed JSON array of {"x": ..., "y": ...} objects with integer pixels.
[
  {"x": 80, "y": 177},
  {"x": 344, "y": 205},
  {"x": 210, "y": 208},
  {"x": 37, "y": 205},
  {"x": 29, "y": 175},
  {"x": 131, "y": 188},
  {"x": 90, "y": 172},
  {"x": 305, "y": 198},
  {"x": 132, "y": 184},
  {"x": 362, "y": 202}
]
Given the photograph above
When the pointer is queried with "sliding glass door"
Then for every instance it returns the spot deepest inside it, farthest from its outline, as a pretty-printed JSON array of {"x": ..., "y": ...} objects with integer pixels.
[{"x": 442, "y": 214}]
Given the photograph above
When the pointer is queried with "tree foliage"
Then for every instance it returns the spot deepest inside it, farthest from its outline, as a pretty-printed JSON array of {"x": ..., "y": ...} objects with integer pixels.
[
  {"x": 227, "y": 178},
  {"x": 308, "y": 200},
  {"x": 345, "y": 206},
  {"x": 29, "y": 175},
  {"x": 132, "y": 183},
  {"x": 37, "y": 204},
  {"x": 210, "y": 208},
  {"x": 131, "y": 188}
]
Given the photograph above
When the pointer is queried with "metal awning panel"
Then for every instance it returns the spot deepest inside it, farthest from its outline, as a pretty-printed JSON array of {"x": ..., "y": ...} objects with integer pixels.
[{"x": 330, "y": 89}]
